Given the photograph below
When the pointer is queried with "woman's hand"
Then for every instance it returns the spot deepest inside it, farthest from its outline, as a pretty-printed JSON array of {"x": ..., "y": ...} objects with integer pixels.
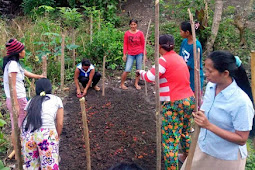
[
  {"x": 201, "y": 119},
  {"x": 145, "y": 58},
  {"x": 124, "y": 58}
]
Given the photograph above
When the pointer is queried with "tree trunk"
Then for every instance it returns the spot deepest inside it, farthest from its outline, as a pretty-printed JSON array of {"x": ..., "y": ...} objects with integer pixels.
[{"x": 215, "y": 25}]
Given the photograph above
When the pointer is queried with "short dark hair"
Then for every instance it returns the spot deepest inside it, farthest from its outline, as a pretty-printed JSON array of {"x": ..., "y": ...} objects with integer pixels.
[
  {"x": 126, "y": 166},
  {"x": 166, "y": 42},
  {"x": 186, "y": 26},
  {"x": 133, "y": 20},
  {"x": 85, "y": 62}
]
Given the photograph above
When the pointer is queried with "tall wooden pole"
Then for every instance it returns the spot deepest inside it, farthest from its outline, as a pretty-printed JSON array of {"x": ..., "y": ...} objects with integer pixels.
[
  {"x": 158, "y": 116},
  {"x": 91, "y": 28},
  {"x": 44, "y": 66},
  {"x": 253, "y": 80},
  {"x": 73, "y": 42},
  {"x": 62, "y": 70},
  {"x": 196, "y": 82},
  {"x": 16, "y": 127},
  {"x": 86, "y": 132},
  {"x": 144, "y": 51},
  {"x": 103, "y": 79}
]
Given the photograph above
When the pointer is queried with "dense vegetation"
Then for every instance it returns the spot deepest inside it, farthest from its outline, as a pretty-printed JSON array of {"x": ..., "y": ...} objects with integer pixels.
[{"x": 45, "y": 21}]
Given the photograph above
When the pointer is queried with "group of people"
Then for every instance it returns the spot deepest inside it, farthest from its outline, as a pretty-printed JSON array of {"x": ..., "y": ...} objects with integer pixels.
[{"x": 225, "y": 117}]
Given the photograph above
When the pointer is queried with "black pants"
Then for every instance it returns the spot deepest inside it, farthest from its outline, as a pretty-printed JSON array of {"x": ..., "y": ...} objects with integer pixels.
[{"x": 85, "y": 80}]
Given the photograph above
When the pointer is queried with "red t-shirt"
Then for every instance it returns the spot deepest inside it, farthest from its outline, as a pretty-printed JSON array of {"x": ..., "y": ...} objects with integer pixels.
[
  {"x": 173, "y": 77},
  {"x": 133, "y": 43}
]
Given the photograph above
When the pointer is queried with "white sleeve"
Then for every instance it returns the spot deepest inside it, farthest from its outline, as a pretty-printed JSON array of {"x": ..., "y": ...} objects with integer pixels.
[
  {"x": 13, "y": 67},
  {"x": 59, "y": 103}
]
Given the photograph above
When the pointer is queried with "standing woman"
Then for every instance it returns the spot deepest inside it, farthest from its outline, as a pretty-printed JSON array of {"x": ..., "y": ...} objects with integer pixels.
[
  {"x": 177, "y": 100},
  {"x": 40, "y": 134},
  {"x": 186, "y": 51},
  {"x": 227, "y": 115},
  {"x": 11, "y": 65},
  {"x": 133, "y": 49}
]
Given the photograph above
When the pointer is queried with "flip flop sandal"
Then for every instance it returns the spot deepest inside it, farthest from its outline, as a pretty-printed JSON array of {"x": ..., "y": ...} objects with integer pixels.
[{"x": 79, "y": 95}]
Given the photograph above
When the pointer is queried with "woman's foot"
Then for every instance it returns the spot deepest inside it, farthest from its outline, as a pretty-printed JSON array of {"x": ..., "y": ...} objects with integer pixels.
[
  {"x": 137, "y": 87},
  {"x": 96, "y": 88},
  {"x": 123, "y": 87}
]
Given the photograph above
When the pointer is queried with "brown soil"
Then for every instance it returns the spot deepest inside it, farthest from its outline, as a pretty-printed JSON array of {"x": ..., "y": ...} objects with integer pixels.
[{"x": 121, "y": 128}]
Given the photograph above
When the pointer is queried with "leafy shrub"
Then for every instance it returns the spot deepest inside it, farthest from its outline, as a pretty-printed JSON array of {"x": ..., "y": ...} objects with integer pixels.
[{"x": 29, "y": 5}]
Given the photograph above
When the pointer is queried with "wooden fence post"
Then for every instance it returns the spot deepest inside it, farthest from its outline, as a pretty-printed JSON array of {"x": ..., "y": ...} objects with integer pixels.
[
  {"x": 158, "y": 115},
  {"x": 103, "y": 79},
  {"x": 16, "y": 127},
  {"x": 86, "y": 132}
]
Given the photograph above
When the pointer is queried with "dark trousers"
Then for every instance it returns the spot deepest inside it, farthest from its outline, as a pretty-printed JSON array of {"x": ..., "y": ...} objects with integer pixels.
[{"x": 85, "y": 80}]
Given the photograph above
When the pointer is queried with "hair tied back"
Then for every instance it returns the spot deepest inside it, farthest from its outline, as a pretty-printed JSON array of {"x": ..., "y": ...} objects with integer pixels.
[
  {"x": 42, "y": 93},
  {"x": 238, "y": 61}
]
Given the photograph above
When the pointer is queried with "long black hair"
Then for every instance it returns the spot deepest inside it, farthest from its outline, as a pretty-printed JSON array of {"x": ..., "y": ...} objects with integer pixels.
[
  {"x": 33, "y": 118},
  {"x": 166, "y": 42},
  {"x": 13, "y": 56},
  {"x": 224, "y": 60}
]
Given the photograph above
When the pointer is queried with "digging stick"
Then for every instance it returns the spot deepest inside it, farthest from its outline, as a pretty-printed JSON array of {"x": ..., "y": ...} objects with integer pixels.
[
  {"x": 253, "y": 80},
  {"x": 62, "y": 70},
  {"x": 158, "y": 116},
  {"x": 86, "y": 132},
  {"x": 91, "y": 28},
  {"x": 196, "y": 82},
  {"x": 146, "y": 37},
  {"x": 44, "y": 66},
  {"x": 103, "y": 87},
  {"x": 198, "y": 78},
  {"x": 16, "y": 127}
]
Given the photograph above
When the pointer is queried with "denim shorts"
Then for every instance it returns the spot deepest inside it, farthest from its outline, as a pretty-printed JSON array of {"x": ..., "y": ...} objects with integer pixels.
[{"x": 130, "y": 61}]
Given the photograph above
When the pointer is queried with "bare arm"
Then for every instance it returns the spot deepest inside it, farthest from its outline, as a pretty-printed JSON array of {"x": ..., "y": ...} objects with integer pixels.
[
  {"x": 76, "y": 81},
  {"x": 32, "y": 75},
  {"x": 60, "y": 120},
  {"x": 237, "y": 137}
]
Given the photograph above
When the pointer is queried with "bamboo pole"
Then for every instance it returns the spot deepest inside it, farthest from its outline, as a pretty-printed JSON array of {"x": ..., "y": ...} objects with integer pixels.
[
  {"x": 158, "y": 116},
  {"x": 99, "y": 20},
  {"x": 91, "y": 28},
  {"x": 253, "y": 80},
  {"x": 62, "y": 70},
  {"x": 73, "y": 42},
  {"x": 44, "y": 66},
  {"x": 144, "y": 51},
  {"x": 16, "y": 127},
  {"x": 196, "y": 69},
  {"x": 103, "y": 79},
  {"x": 86, "y": 132}
]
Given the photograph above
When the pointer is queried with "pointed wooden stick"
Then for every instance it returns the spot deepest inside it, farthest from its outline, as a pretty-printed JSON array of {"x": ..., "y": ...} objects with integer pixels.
[
  {"x": 197, "y": 91},
  {"x": 103, "y": 79},
  {"x": 253, "y": 80},
  {"x": 44, "y": 66},
  {"x": 144, "y": 51},
  {"x": 86, "y": 132},
  {"x": 158, "y": 115},
  {"x": 16, "y": 127}
]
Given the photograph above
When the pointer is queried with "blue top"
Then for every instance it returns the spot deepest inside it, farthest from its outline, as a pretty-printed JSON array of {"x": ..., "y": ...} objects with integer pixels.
[
  {"x": 84, "y": 73},
  {"x": 230, "y": 110},
  {"x": 186, "y": 52}
]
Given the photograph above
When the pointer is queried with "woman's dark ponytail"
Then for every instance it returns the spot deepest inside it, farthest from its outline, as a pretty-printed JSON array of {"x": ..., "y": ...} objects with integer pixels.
[{"x": 34, "y": 110}]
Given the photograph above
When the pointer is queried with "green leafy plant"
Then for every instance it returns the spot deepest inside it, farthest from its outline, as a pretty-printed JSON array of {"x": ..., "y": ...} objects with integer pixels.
[{"x": 2, "y": 167}]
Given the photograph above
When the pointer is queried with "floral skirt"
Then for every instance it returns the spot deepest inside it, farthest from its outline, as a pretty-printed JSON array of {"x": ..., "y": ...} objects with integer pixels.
[{"x": 40, "y": 149}]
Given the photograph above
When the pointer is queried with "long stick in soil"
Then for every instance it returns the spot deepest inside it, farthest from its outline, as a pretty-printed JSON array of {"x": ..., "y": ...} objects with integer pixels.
[
  {"x": 144, "y": 51},
  {"x": 253, "y": 80},
  {"x": 86, "y": 132},
  {"x": 16, "y": 127},
  {"x": 91, "y": 28},
  {"x": 62, "y": 71},
  {"x": 196, "y": 82},
  {"x": 44, "y": 66},
  {"x": 103, "y": 79},
  {"x": 158, "y": 116}
]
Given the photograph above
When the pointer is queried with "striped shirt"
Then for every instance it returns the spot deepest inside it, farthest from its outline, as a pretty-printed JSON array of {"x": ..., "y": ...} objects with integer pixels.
[{"x": 173, "y": 77}]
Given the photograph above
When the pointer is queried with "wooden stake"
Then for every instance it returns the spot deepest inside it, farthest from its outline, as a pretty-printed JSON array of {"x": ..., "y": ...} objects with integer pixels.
[
  {"x": 103, "y": 85},
  {"x": 145, "y": 43},
  {"x": 62, "y": 70},
  {"x": 158, "y": 116},
  {"x": 196, "y": 82},
  {"x": 44, "y": 66},
  {"x": 253, "y": 80},
  {"x": 73, "y": 42},
  {"x": 16, "y": 127},
  {"x": 91, "y": 28},
  {"x": 11, "y": 154},
  {"x": 86, "y": 132}
]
